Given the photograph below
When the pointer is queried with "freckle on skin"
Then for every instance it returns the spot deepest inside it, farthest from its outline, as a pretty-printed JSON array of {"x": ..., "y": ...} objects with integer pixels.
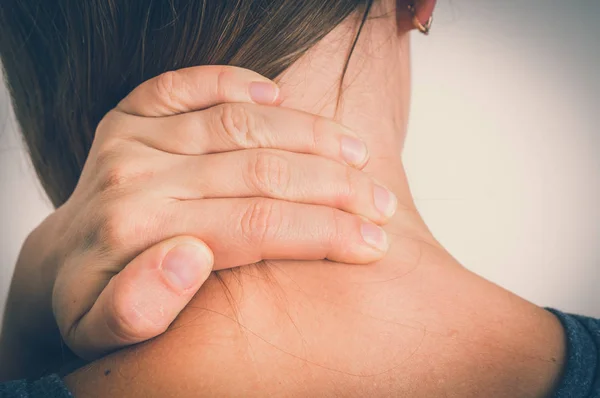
[{"x": 106, "y": 372}]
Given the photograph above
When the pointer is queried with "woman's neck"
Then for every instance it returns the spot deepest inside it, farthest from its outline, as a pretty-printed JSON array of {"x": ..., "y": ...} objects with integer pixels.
[{"x": 373, "y": 101}]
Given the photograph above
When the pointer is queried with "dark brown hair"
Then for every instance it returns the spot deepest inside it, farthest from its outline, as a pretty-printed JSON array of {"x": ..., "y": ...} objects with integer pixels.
[{"x": 68, "y": 62}]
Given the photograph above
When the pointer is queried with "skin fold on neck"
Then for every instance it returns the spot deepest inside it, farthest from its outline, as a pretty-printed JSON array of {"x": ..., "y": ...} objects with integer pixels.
[{"x": 415, "y": 324}]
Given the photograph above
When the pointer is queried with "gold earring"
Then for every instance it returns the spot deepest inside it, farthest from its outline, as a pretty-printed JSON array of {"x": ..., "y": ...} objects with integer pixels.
[{"x": 416, "y": 23}]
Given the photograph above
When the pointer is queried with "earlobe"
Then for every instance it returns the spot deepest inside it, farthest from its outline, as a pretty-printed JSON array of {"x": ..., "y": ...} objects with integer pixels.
[{"x": 415, "y": 14}]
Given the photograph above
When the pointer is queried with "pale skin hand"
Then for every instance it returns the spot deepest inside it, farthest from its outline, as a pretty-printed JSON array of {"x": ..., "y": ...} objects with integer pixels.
[
  {"x": 415, "y": 324},
  {"x": 193, "y": 167}
]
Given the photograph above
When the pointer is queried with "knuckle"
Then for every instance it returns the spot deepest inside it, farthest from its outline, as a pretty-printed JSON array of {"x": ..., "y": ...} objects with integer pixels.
[
  {"x": 118, "y": 171},
  {"x": 222, "y": 86},
  {"x": 113, "y": 135},
  {"x": 125, "y": 321},
  {"x": 349, "y": 186},
  {"x": 185, "y": 129},
  {"x": 90, "y": 234},
  {"x": 111, "y": 167},
  {"x": 106, "y": 125},
  {"x": 318, "y": 131},
  {"x": 123, "y": 225},
  {"x": 238, "y": 125},
  {"x": 168, "y": 88},
  {"x": 260, "y": 220},
  {"x": 115, "y": 174},
  {"x": 269, "y": 173},
  {"x": 106, "y": 153},
  {"x": 113, "y": 124},
  {"x": 117, "y": 229},
  {"x": 337, "y": 235}
]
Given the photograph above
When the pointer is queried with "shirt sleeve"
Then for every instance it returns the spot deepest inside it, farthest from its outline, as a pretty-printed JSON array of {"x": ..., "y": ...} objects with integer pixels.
[
  {"x": 47, "y": 387},
  {"x": 581, "y": 374}
]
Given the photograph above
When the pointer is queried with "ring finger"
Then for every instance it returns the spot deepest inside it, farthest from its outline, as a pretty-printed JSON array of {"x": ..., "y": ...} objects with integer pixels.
[{"x": 282, "y": 175}]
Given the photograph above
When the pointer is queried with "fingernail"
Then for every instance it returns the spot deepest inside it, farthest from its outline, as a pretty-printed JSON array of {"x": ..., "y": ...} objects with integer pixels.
[
  {"x": 263, "y": 92},
  {"x": 385, "y": 200},
  {"x": 185, "y": 264},
  {"x": 354, "y": 151},
  {"x": 374, "y": 236}
]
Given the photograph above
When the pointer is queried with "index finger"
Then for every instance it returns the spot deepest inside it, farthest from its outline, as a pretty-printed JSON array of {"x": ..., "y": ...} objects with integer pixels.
[{"x": 197, "y": 88}]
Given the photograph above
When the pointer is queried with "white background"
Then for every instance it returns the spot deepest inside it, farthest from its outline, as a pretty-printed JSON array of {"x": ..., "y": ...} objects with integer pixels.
[{"x": 503, "y": 153}]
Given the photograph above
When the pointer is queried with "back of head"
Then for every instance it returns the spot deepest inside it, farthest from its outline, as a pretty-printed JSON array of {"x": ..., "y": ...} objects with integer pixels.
[{"x": 68, "y": 62}]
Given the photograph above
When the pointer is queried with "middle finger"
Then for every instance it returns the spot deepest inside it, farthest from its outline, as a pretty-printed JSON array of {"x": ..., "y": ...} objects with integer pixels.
[{"x": 231, "y": 127}]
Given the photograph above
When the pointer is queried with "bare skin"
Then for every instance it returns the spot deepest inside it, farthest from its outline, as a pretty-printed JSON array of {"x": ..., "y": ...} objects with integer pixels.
[{"x": 415, "y": 324}]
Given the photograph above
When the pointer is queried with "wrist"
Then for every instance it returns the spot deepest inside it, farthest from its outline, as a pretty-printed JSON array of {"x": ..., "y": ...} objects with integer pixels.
[{"x": 29, "y": 335}]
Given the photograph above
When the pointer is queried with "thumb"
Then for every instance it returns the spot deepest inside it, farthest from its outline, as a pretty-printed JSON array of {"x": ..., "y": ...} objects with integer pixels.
[{"x": 142, "y": 300}]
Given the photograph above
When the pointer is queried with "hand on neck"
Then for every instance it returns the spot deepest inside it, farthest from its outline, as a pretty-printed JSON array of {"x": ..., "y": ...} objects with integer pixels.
[{"x": 373, "y": 101}]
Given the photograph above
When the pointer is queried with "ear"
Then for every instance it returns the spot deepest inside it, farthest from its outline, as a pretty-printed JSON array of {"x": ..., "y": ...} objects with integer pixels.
[{"x": 423, "y": 10}]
